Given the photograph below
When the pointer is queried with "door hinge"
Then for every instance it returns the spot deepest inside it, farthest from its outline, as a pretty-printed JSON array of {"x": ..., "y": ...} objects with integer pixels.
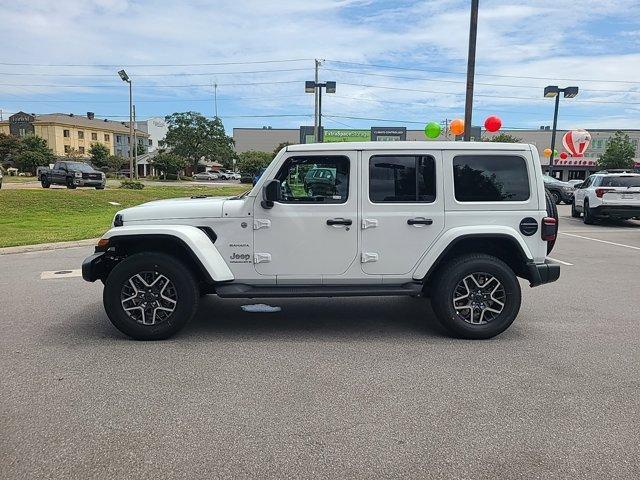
[
  {"x": 367, "y": 257},
  {"x": 369, "y": 223},
  {"x": 259, "y": 223},
  {"x": 261, "y": 257}
]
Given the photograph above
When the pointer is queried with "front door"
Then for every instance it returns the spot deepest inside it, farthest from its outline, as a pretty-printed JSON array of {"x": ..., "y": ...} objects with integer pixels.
[
  {"x": 312, "y": 231},
  {"x": 402, "y": 209}
]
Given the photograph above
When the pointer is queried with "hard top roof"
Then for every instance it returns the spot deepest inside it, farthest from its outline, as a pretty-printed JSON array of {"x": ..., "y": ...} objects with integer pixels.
[{"x": 407, "y": 145}]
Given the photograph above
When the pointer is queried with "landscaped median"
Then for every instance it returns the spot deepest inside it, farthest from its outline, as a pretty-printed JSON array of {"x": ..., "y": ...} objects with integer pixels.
[{"x": 34, "y": 216}]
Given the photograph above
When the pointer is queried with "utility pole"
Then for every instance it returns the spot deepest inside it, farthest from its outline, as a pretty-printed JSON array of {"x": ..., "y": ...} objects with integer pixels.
[
  {"x": 316, "y": 129},
  {"x": 215, "y": 99},
  {"x": 135, "y": 142},
  {"x": 471, "y": 67}
]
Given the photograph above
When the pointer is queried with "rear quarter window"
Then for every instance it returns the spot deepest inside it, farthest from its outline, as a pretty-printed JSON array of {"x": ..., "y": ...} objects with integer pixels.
[{"x": 490, "y": 178}]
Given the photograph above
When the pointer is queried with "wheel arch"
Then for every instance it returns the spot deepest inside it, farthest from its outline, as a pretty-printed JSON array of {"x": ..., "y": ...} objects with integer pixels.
[
  {"x": 504, "y": 246},
  {"x": 193, "y": 246}
]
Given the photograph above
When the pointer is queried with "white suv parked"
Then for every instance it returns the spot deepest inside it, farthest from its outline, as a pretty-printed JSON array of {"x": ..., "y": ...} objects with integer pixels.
[
  {"x": 611, "y": 195},
  {"x": 457, "y": 222}
]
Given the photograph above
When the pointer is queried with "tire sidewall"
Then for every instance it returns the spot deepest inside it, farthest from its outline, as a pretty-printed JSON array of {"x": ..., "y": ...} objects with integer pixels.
[
  {"x": 176, "y": 272},
  {"x": 451, "y": 276}
]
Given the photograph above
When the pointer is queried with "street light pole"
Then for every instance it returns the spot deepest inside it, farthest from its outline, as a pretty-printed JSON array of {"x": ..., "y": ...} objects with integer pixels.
[
  {"x": 554, "y": 91},
  {"x": 471, "y": 68},
  {"x": 314, "y": 87},
  {"x": 125, "y": 78}
]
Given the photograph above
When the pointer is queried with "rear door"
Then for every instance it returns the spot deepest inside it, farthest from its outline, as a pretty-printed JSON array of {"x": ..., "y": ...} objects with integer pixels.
[{"x": 402, "y": 211}]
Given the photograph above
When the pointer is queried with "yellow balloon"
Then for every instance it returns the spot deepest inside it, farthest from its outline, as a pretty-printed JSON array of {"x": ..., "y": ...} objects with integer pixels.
[{"x": 547, "y": 152}]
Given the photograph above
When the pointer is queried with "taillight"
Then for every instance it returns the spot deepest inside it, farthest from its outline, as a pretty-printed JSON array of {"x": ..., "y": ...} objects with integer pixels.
[
  {"x": 549, "y": 229},
  {"x": 601, "y": 191}
]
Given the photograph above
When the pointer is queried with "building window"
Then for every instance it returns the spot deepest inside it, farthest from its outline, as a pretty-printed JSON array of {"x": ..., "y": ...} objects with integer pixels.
[
  {"x": 106, "y": 137},
  {"x": 402, "y": 178},
  {"x": 22, "y": 132},
  {"x": 490, "y": 178},
  {"x": 80, "y": 135},
  {"x": 94, "y": 136},
  {"x": 81, "y": 150},
  {"x": 150, "y": 143},
  {"x": 67, "y": 149},
  {"x": 65, "y": 133},
  {"x": 118, "y": 139}
]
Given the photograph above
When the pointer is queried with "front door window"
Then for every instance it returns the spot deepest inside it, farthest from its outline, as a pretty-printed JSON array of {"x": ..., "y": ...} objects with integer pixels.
[{"x": 315, "y": 179}]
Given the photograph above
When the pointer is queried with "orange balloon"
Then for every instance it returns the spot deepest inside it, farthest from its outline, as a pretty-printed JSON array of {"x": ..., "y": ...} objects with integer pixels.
[
  {"x": 456, "y": 126},
  {"x": 547, "y": 152}
]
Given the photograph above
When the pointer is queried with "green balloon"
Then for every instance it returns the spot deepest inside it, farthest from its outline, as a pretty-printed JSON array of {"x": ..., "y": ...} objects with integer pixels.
[
  {"x": 432, "y": 130},
  {"x": 555, "y": 153}
]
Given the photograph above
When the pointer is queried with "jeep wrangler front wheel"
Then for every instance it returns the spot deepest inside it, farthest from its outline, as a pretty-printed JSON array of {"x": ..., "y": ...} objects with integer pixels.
[
  {"x": 476, "y": 296},
  {"x": 150, "y": 296}
]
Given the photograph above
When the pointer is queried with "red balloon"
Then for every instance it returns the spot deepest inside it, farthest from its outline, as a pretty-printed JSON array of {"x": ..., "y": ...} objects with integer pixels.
[
  {"x": 492, "y": 123},
  {"x": 563, "y": 155}
]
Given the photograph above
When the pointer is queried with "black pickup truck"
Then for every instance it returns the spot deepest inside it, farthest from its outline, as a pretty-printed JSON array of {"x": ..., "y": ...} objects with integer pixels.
[{"x": 71, "y": 174}]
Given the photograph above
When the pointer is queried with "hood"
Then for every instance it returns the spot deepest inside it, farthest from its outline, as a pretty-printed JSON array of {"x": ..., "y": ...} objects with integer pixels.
[{"x": 175, "y": 209}]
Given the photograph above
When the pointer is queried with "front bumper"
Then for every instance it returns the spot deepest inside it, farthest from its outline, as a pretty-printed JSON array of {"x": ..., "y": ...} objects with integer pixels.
[
  {"x": 541, "y": 273},
  {"x": 82, "y": 182},
  {"x": 618, "y": 211},
  {"x": 95, "y": 266},
  {"x": 566, "y": 196}
]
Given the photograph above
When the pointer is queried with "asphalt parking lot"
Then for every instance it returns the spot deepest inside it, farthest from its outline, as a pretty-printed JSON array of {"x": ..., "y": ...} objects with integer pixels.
[{"x": 327, "y": 388}]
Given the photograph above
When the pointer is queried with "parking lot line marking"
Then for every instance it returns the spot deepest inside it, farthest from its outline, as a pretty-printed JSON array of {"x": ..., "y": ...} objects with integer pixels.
[
  {"x": 50, "y": 275},
  {"x": 560, "y": 262},
  {"x": 601, "y": 241}
]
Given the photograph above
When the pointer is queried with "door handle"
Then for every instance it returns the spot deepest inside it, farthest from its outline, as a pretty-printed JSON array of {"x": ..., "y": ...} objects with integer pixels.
[
  {"x": 419, "y": 221},
  {"x": 339, "y": 221}
]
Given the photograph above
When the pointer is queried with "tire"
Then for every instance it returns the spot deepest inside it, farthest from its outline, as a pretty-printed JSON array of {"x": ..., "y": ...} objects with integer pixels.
[
  {"x": 555, "y": 196},
  {"x": 552, "y": 211},
  {"x": 183, "y": 289},
  {"x": 70, "y": 184},
  {"x": 574, "y": 212},
  {"x": 587, "y": 215},
  {"x": 44, "y": 182},
  {"x": 447, "y": 285}
]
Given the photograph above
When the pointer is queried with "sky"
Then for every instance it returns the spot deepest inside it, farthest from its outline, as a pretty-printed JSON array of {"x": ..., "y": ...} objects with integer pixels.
[{"x": 399, "y": 63}]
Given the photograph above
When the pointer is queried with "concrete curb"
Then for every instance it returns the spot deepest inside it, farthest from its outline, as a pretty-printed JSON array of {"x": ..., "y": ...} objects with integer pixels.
[{"x": 42, "y": 247}]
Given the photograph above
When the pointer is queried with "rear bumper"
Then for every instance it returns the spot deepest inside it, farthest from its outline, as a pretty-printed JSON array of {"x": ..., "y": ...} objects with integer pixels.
[
  {"x": 622, "y": 211},
  {"x": 541, "y": 273}
]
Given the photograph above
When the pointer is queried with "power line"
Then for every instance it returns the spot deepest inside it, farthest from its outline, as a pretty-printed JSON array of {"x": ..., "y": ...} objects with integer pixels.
[
  {"x": 150, "y": 86},
  {"x": 118, "y": 65},
  {"x": 181, "y": 74},
  {"x": 484, "y": 74},
  {"x": 462, "y": 82}
]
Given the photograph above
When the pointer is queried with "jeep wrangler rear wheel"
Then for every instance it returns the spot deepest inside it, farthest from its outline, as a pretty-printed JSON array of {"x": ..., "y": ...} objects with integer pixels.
[
  {"x": 150, "y": 296},
  {"x": 476, "y": 296}
]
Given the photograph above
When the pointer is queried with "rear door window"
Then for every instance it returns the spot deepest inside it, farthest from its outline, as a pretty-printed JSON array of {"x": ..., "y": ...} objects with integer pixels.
[
  {"x": 402, "y": 178},
  {"x": 490, "y": 178}
]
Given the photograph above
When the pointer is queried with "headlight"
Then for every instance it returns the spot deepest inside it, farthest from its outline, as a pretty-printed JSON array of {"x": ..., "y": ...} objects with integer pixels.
[{"x": 78, "y": 174}]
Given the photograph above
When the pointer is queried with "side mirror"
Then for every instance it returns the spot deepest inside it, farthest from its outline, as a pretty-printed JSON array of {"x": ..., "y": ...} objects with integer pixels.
[{"x": 270, "y": 193}]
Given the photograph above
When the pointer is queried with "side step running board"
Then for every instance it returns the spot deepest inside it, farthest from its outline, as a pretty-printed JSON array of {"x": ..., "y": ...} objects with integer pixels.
[{"x": 240, "y": 290}]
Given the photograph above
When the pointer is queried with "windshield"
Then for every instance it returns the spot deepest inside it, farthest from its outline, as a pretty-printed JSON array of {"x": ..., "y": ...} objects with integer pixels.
[
  {"x": 626, "y": 181},
  {"x": 83, "y": 167}
]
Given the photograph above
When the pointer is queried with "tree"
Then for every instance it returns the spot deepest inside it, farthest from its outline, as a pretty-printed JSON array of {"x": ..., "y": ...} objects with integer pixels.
[
  {"x": 99, "y": 154},
  {"x": 74, "y": 154},
  {"x": 139, "y": 150},
  {"x": 280, "y": 147},
  {"x": 33, "y": 143},
  {"x": 9, "y": 148},
  {"x": 169, "y": 163},
  {"x": 504, "y": 138},
  {"x": 193, "y": 136},
  {"x": 29, "y": 161},
  {"x": 619, "y": 152},
  {"x": 114, "y": 162},
  {"x": 251, "y": 162}
]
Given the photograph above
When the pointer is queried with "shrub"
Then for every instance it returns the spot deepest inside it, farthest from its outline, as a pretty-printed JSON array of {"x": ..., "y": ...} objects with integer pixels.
[{"x": 132, "y": 185}]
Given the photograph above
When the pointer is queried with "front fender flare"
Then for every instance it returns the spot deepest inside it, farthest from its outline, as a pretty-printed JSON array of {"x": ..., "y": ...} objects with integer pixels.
[
  {"x": 198, "y": 244},
  {"x": 450, "y": 237}
]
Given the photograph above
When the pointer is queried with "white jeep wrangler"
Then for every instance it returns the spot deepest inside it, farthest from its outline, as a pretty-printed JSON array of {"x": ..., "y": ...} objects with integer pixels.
[{"x": 457, "y": 222}]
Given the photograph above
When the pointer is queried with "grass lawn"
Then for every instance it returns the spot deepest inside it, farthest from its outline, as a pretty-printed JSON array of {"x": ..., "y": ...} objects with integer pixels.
[
  {"x": 55, "y": 215},
  {"x": 14, "y": 179}
]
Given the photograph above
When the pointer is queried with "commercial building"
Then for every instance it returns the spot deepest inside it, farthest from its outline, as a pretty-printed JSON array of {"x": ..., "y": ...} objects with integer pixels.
[
  {"x": 157, "y": 129},
  {"x": 66, "y": 133},
  {"x": 267, "y": 139}
]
